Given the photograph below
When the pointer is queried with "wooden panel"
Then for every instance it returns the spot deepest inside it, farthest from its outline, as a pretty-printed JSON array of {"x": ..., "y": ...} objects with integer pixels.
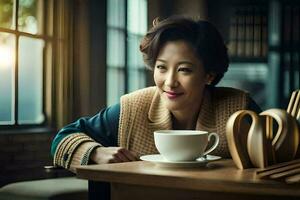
[{"x": 123, "y": 191}]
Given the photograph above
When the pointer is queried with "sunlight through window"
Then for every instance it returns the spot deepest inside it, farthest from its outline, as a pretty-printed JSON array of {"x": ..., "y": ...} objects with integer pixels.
[
  {"x": 7, "y": 57},
  {"x": 23, "y": 49}
]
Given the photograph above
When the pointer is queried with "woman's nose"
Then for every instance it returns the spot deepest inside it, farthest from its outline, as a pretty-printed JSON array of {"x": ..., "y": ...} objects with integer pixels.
[{"x": 171, "y": 80}]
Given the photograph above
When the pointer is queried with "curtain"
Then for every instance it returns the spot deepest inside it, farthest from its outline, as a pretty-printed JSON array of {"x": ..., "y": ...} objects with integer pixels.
[{"x": 63, "y": 67}]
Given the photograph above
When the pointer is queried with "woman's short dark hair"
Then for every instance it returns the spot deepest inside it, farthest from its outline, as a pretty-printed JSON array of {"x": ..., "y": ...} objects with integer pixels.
[{"x": 201, "y": 35}]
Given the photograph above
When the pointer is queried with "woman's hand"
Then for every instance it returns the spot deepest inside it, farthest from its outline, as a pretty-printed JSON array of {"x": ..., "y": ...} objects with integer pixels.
[{"x": 103, "y": 155}]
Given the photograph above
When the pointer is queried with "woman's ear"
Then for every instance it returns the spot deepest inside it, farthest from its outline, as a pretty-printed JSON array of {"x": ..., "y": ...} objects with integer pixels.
[{"x": 210, "y": 77}]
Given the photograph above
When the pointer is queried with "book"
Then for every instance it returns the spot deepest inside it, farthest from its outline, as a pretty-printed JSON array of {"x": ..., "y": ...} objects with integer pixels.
[
  {"x": 257, "y": 32},
  {"x": 232, "y": 45},
  {"x": 241, "y": 19},
  {"x": 287, "y": 25},
  {"x": 249, "y": 32},
  {"x": 264, "y": 34}
]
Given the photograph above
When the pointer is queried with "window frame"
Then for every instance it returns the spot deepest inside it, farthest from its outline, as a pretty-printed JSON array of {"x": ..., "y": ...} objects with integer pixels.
[
  {"x": 125, "y": 68},
  {"x": 47, "y": 69}
]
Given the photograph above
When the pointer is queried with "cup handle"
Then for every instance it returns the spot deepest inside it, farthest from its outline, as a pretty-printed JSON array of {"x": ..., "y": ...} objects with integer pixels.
[{"x": 213, "y": 146}]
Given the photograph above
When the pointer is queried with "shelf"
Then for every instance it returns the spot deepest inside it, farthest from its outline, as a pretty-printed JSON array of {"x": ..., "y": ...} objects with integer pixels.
[{"x": 248, "y": 60}]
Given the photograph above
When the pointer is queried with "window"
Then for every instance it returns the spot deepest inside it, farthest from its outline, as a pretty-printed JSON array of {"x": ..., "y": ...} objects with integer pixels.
[
  {"x": 25, "y": 46},
  {"x": 250, "y": 77},
  {"x": 126, "y": 25}
]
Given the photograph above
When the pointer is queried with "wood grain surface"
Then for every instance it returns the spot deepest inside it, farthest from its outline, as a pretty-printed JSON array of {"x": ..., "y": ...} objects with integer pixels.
[{"x": 219, "y": 176}]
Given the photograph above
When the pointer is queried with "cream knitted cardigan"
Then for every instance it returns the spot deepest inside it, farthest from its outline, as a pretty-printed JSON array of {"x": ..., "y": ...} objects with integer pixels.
[{"x": 143, "y": 112}]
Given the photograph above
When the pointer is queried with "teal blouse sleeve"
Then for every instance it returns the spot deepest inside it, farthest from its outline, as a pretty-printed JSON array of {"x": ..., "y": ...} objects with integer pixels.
[{"x": 103, "y": 127}]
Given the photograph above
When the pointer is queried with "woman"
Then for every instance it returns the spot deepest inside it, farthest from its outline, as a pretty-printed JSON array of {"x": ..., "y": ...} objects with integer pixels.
[{"x": 188, "y": 59}]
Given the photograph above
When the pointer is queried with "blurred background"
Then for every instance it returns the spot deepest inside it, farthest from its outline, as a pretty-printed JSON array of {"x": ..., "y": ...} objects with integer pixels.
[{"x": 63, "y": 59}]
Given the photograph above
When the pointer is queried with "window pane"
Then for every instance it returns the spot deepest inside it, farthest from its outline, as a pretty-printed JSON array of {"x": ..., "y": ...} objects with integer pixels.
[
  {"x": 118, "y": 46},
  {"x": 6, "y": 13},
  {"x": 137, "y": 16},
  {"x": 116, "y": 13},
  {"x": 249, "y": 77},
  {"x": 136, "y": 68},
  {"x": 7, "y": 61},
  {"x": 30, "y": 16},
  {"x": 135, "y": 58},
  {"x": 137, "y": 27},
  {"x": 137, "y": 79},
  {"x": 115, "y": 86},
  {"x": 115, "y": 48},
  {"x": 30, "y": 81}
]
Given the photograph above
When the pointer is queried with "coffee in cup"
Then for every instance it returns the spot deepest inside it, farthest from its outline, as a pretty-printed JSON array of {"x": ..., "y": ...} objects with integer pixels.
[{"x": 183, "y": 145}]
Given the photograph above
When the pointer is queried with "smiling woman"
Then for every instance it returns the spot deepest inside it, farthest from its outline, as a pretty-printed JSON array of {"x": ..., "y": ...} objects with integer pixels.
[
  {"x": 180, "y": 78},
  {"x": 188, "y": 58}
]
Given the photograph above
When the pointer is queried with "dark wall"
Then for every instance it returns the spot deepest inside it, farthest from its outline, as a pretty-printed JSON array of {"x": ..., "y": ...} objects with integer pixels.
[
  {"x": 89, "y": 57},
  {"x": 98, "y": 53},
  {"x": 24, "y": 155}
]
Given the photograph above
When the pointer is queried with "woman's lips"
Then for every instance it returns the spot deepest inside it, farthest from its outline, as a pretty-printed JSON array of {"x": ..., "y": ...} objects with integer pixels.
[{"x": 173, "y": 95}]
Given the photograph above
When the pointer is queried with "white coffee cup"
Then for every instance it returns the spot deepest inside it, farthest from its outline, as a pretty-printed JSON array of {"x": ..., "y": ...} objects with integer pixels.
[{"x": 183, "y": 145}]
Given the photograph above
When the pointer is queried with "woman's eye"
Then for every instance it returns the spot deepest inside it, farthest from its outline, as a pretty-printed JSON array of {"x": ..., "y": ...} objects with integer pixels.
[
  {"x": 185, "y": 69},
  {"x": 161, "y": 67}
]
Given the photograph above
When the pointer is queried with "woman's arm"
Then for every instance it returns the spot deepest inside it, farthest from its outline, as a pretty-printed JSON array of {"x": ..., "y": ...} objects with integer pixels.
[
  {"x": 90, "y": 139},
  {"x": 102, "y": 128}
]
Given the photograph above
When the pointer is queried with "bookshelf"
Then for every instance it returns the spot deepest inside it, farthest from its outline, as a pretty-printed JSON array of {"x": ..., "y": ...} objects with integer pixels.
[
  {"x": 290, "y": 48},
  {"x": 244, "y": 25},
  {"x": 263, "y": 39},
  {"x": 248, "y": 33}
]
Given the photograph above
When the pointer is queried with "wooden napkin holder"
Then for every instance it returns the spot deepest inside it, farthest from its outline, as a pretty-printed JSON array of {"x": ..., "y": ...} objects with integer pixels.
[{"x": 253, "y": 143}]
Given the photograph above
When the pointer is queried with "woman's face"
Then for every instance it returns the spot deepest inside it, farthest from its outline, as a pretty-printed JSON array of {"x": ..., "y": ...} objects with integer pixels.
[{"x": 180, "y": 76}]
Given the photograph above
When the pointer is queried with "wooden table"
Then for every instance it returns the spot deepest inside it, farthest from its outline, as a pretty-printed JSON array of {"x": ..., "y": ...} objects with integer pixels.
[{"x": 218, "y": 180}]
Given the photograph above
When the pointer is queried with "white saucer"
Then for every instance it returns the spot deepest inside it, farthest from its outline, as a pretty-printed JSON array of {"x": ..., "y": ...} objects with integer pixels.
[{"x": 161, "y": 161}]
